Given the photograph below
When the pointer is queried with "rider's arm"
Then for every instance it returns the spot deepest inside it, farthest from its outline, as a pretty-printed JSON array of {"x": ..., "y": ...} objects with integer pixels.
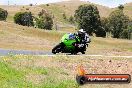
[{"x": 87, "y": 38}]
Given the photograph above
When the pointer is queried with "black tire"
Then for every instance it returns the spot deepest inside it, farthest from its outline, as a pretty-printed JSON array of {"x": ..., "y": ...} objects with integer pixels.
[
  {"x": 83, "y": 52},
  {"x": 83, "y": 49},
  {"x": 80, "y": 80},
  {"x": 56, "y": 49},
  {"x": 74, "y": 53}
]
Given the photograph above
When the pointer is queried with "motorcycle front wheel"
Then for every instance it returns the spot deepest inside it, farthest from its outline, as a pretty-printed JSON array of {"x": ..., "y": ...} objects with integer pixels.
[{"x": 57, "y": 48}]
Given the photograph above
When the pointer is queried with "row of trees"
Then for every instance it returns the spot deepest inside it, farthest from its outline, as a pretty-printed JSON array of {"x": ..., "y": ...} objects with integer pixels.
[
  {"x": 119, "y": 25},
  {"x": 43, "y": 20},
  {"x": 86, "y": 16}
]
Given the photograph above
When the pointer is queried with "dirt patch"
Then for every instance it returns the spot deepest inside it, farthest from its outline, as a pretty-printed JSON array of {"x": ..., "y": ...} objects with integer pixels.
[{"x": 35, "y": 78}]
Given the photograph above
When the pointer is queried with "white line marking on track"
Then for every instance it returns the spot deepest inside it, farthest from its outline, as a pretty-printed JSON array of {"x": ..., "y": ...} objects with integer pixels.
[
  {"x": 87, "y": 55},
  {"x": 79, "y": 55}
]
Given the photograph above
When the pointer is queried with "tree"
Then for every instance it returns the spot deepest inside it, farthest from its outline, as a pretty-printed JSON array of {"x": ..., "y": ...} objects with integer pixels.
[
  {"x": 30, "y": 4},
  {"x": 44, "y": 21},
  {"x": 100, "y": 32},
  {"x": 43, "y": 12},
  {"x": 3, "y": 14},
  {"x": 47, "y": 4},
  {"x": 105, "y": 24},
  {"x": 118, "y": 22},
  {"x": 64, "y": 16},
  {"x": 88, "y": 18},
  {"x": 24, "y": 18},
  {"x": 124, "y": 34},
  {"x": 127, "y": 33},
  {"x": 71, "y": 19},
  {"x": 120, "y": 7}
]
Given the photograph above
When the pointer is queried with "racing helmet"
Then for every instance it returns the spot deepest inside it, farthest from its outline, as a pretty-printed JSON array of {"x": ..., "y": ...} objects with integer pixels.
[
  {"x": 81, "y": 33},
  {"x": 81, "y": 30}
]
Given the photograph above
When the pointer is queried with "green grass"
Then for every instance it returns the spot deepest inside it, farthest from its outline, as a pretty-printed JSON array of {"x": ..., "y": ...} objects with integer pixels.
[
  {"x": 12, "y": 78},
  {"x": 22, "y": 71},
  {"x": 10, "y": 18}
]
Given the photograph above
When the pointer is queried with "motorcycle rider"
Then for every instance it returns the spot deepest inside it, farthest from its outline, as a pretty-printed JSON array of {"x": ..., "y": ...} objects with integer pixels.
[
  {"x": 78, "y": 40},
  {"x": 84, "y": 39},
  {"x": 83, "y": 36}
]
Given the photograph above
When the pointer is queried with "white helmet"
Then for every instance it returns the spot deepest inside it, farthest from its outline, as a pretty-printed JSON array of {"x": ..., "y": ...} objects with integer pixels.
[{"x": 82, "y": 30}]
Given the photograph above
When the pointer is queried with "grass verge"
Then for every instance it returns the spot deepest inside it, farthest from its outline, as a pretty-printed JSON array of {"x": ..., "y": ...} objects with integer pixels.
[{"x": 58, "y": 71}]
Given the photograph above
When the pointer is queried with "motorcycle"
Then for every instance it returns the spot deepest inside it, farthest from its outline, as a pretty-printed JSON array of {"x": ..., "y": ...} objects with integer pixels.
[{"x": 69, "y": 44}]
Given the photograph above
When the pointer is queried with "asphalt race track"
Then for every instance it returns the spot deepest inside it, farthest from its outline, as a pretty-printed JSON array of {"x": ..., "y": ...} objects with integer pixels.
[{"x": 4, "y": 52}]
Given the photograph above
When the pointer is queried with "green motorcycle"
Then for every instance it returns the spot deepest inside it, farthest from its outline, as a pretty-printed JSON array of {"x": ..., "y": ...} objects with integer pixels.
[{"x": 69, "y": 44}]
